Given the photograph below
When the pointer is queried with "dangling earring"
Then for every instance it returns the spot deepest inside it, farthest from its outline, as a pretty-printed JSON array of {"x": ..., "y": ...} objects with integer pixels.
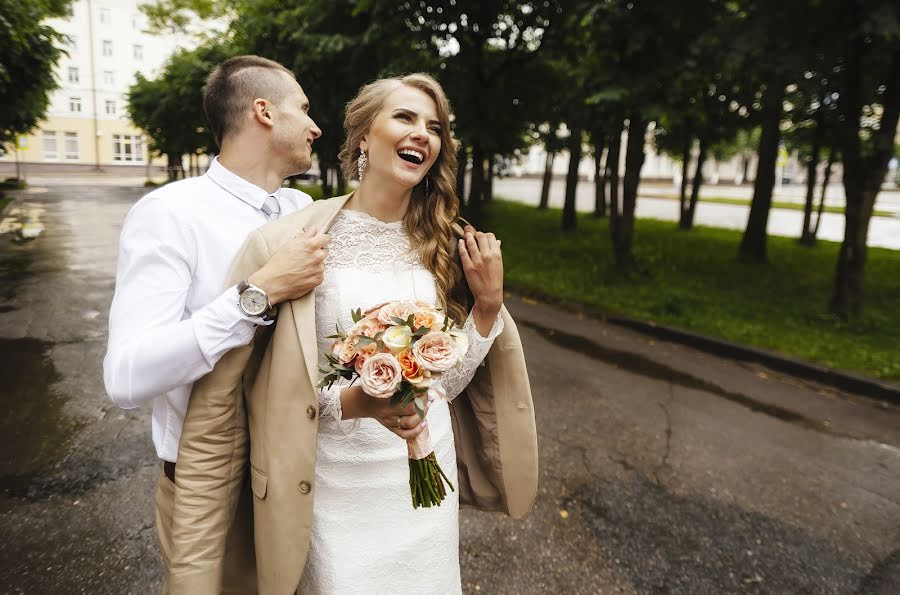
[{"x": 361, "y": 163}]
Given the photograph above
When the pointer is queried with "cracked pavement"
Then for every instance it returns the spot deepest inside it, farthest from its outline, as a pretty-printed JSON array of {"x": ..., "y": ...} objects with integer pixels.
[{"x": 663, "y": 469}]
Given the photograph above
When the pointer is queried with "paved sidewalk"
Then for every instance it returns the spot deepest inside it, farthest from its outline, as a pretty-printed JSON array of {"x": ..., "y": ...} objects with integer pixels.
[{"x": 663, "y": 469}]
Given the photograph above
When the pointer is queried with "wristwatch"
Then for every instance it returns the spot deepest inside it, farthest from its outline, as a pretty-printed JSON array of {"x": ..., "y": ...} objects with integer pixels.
[{"x": 254, "y": 301}]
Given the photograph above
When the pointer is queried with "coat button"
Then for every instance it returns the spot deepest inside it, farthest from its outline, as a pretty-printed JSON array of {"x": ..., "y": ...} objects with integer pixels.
[
  {"x": 304, "y": 487},
  {"x": 311, "y": 412}
]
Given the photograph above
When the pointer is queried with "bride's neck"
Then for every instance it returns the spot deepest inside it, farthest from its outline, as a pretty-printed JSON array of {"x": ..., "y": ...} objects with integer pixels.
[{"x": 381, "y": 201}]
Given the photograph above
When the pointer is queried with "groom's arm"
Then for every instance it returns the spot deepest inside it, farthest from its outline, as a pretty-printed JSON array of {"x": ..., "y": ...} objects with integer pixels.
[{"x": 213, "y": 456}]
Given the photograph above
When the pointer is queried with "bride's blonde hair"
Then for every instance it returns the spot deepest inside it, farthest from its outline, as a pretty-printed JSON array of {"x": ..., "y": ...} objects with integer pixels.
[{"x": 434, "y": 206}]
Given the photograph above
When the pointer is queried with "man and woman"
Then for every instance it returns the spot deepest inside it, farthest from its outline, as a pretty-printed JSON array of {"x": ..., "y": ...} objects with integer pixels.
[{"x": 322, "y": 466}]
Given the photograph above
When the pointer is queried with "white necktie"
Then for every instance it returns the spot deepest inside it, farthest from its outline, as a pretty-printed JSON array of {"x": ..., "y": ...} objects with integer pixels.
[{"x": 271, "y": 208}]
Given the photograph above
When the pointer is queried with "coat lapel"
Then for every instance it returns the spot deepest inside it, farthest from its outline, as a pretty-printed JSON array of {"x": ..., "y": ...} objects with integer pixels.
[{"x": 304, "y": 308}]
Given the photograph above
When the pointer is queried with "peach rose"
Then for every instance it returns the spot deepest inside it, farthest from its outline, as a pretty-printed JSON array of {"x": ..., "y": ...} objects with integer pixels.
[
  {"x": 436, "y": 352},
  {"x": 429, "y": 319},
  {"x": 380, "y": 375},
  {"x": 411, "y": 369},
  {"x": 363, "y": 354},
  {"x": 370, "y": 327},
  {"x": 348, "y": 350},
  {"x": 396, "y": 309},
  {"x": 374, "y": 310}
]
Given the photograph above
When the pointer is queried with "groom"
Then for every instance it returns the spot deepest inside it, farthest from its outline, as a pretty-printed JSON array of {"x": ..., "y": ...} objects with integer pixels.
[{"x": 171, "y": 320}]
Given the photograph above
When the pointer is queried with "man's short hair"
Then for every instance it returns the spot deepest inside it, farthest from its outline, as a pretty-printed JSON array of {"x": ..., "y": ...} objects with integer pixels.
[{"x": 232, "y": 87}]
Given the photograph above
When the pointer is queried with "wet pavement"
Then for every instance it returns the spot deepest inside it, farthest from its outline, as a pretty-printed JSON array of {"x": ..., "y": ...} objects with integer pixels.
[{"x": 663, "y": 469}]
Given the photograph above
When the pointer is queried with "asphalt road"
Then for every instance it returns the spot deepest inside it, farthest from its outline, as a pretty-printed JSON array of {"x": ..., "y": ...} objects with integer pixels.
[{"x": 663, "y": 470}]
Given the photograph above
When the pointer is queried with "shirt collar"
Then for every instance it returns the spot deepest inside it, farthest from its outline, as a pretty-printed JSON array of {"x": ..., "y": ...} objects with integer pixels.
[{"x": 237, "y": 186}]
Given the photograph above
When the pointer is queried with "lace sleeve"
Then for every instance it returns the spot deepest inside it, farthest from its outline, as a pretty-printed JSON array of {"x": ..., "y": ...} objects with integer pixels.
[
  {"x": 456, "y": 379},
  {"x": 330, "y": 413}
]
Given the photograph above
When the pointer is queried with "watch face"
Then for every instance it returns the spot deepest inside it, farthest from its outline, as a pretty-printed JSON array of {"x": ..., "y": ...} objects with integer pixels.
[{"x": 254, "y": 302}]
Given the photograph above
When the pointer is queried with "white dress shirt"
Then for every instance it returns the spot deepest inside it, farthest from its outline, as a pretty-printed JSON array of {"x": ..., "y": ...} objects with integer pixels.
[{"x": 170, "y": 320}]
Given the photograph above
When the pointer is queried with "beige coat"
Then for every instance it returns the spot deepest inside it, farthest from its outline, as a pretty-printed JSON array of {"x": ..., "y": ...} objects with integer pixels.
[{"x": 264, "y": 395}]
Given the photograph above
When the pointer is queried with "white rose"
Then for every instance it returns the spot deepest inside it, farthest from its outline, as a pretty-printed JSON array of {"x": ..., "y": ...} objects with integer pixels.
[{"x": 397, "y": 338}]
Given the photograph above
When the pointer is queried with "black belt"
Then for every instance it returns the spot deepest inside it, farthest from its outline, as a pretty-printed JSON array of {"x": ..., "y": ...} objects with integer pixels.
[{"x": 169, "y": 470}]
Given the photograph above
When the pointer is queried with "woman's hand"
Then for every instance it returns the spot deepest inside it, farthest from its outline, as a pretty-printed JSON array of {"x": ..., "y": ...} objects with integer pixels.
[
  {"x": 483, "y": 266},
  {"x": 403, "y": 421}
]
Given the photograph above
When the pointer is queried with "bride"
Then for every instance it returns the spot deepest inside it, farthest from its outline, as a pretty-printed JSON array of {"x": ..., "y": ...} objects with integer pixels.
[{"x": 330, "y": 483}]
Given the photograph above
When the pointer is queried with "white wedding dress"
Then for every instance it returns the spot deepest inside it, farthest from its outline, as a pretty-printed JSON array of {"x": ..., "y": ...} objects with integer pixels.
[{"x": 365, "y": 536}]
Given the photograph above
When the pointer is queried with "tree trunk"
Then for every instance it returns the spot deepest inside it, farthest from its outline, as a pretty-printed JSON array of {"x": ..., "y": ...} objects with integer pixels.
[
  {"x": 807, "y": 238},
  {"x": 599, "y": 180},
  {"x": 476, "y": 185},
  {"x": 341, "y": 182},
  {"x": 489, "y": 179},
  {"x": 612, "y": 172},
  {"x": 831, "y": 159},
  {"x": 569, "y": 220},
  {"x": 687, "y": 216},
  {"x": 548, "y": 177},
  {"x": 685, "y": 163},
  {"x": 462, "y": 159},
  {"x": 863, "y": 175},
  {"x": 753, "y": 244},
  {"x": 173, "y": 165},
  {"x": 634, "y": 160},
  {"x": 325, "y": 171}
]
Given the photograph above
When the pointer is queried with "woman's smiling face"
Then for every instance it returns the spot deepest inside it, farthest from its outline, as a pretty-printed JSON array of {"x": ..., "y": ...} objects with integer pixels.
[{"x": 405, "y": 138}]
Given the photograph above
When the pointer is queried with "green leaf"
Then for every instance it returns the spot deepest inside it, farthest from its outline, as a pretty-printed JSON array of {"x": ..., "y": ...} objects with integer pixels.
[
  {"x": 356, "y": 315},
  {"x": 420, "y": 407}
]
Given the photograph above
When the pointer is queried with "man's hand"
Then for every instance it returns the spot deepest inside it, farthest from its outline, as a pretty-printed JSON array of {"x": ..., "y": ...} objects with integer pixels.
[
  {"x": 295, "y": 269},
  {"x": 483, "y": 266}
]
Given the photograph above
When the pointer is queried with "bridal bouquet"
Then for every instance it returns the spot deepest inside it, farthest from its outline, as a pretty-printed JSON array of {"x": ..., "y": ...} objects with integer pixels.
[{"x": 397, "y": 350}]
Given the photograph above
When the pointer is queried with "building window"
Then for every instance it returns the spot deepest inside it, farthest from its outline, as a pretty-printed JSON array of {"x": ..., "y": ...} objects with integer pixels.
[
  {"x": 110, "y": 107},
  {"x": 107, "y": 48},
  {"x": 71, "y": 147},
  {"x": 51, "y": 151},
  {"x": 128, "y": 147},
  {"x": 75, "y": 104},
  {"x": 109, "y": 77},
  {"x": 73, "y": 74},
  {"x": 138, "y": 52},
  {"x": 104, "y": 16},
  {"x": 71, "y": 42}
]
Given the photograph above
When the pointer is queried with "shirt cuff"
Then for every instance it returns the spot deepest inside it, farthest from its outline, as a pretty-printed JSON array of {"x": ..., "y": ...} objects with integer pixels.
[{"x": 221, "y": 326}]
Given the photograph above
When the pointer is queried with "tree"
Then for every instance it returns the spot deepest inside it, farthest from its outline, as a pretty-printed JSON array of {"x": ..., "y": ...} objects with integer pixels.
[
  {"x": 31, "y": 50},
  {"x": 869, "y": 106},
  {"x": 170, "y": 108}
]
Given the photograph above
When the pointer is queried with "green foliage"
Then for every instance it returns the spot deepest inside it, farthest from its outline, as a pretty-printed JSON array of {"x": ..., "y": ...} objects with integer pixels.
[
  {"x": 170, "y": 108},
  {"x": 31, "y": 50},
  {"x": 175, "y": 16},
  {"x": 694, "y": 282}
]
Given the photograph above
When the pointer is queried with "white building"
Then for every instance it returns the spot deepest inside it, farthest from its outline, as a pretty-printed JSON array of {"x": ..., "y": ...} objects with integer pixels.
[{"x": 87, "y": 126}]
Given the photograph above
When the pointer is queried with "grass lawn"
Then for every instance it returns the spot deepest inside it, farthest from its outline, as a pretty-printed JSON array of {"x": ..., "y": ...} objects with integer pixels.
[
  {"x": 4, "y": 200},
  {"x": 694, "y": 281},
  {"x": 776, "y": 204}
]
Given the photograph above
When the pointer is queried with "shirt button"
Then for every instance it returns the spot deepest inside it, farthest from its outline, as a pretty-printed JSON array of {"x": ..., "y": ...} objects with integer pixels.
[
  {"x": 304, "y": 487},
  {"x": 311, "y": 412}
]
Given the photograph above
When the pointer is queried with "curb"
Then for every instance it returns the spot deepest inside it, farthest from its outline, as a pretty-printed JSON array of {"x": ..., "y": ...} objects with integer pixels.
[{"x": 840, "y": 379}]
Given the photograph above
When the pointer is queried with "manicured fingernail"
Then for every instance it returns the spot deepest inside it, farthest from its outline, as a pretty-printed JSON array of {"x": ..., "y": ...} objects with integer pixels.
[{"x": 424, "y": 424}]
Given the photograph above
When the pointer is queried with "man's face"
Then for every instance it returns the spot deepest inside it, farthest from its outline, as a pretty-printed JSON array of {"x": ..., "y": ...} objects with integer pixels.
[{"x": 294, "y": 129}]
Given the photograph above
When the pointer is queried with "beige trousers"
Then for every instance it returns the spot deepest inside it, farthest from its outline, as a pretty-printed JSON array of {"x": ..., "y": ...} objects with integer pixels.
[{"x": 240, "y": 558}]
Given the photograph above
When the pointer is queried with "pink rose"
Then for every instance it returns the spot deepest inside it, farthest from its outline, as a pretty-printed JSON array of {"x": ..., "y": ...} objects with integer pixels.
[
  {"x": 380, "y": 375},
  {"x": 347, "y": 350},
  {"x": 370, "y": 327},
  {"x": 436, "y": 351},
  {"x": 400, "y": 310},
  {"x": 363, "y": 354},
  {"x": 374, "y": 310}
]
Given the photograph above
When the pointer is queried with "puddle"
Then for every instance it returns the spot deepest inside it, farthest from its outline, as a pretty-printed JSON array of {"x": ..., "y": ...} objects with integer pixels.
[
  {"x": 34, "y": 430},
  {"x": 24, "y": 222},
  {"x": 643, "y": 366}
]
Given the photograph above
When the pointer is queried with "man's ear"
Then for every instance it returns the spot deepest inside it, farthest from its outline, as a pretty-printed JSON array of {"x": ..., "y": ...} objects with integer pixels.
[{"x": 262, "y": 112}]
